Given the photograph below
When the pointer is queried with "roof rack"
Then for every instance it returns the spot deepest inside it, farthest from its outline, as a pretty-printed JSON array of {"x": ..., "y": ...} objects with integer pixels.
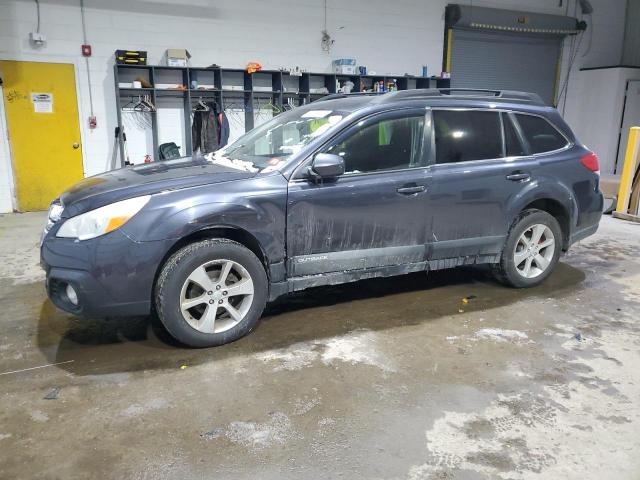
[
  {"x": 458, "y": 93},
  {"x": 466, "y": 93},
  {"x": 333, "y": 96}
]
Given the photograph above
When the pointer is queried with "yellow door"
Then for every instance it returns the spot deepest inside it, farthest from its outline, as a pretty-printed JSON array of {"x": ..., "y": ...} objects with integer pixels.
[{"x": 44, "y": 134}]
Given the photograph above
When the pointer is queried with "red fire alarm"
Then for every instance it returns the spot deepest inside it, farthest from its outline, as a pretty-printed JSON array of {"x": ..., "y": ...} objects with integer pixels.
[{"x": 86, "y": 50}]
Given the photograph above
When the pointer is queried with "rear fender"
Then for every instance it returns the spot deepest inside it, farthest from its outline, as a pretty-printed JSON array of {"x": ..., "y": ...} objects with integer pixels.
[{"x": 545, "y": 188}]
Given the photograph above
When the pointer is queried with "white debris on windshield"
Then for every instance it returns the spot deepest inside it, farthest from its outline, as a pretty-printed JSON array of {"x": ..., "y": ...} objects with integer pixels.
[{"x": 218, "y": 158}]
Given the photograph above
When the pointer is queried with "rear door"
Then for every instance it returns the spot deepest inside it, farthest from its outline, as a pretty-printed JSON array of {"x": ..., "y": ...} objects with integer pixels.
[
  {"x": 375, "y": 215},
  {"x": 480, "y": 164}
]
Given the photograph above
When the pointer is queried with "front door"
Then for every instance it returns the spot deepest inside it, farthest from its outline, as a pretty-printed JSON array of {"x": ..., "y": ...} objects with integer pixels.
[
  {"x": 375, "y": 215},
  {"x": 44, "y": 134}
]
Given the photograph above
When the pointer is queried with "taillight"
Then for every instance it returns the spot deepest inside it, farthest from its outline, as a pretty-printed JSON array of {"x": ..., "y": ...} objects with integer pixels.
[{"x": 590, "y": 161}]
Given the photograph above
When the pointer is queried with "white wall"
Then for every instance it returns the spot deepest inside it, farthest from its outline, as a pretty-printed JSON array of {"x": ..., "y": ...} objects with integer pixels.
[
  {"x": 601, "y": 91},
  {"x": 388, "y": 37}
]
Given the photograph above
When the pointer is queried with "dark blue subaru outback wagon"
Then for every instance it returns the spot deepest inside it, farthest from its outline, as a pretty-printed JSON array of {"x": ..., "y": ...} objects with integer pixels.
[{"x": 346, "y": 188}]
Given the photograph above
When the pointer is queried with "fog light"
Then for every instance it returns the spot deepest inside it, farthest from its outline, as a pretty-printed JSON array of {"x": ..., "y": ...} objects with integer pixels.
[{"x": 71, "y": 294}]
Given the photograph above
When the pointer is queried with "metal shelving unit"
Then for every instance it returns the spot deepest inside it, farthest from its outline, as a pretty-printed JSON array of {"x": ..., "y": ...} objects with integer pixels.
[{"x": 229, "y": 83}]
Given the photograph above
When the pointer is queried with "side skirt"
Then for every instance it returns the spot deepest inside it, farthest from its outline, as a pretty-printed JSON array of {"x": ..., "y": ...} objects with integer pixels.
[{"x": 303, "y": 282}]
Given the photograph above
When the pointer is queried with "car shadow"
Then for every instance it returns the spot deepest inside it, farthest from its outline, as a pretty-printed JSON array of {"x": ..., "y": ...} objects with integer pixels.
[{"x": 118, "y": 345}]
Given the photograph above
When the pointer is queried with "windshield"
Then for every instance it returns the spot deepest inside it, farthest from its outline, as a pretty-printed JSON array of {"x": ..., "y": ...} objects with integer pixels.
[{"x": 269, "y": 146}]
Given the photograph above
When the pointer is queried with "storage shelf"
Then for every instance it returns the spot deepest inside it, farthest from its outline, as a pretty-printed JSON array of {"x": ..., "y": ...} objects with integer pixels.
[
  {"x": 133, "y": 89},
  {"x": 221, "y": 77}
]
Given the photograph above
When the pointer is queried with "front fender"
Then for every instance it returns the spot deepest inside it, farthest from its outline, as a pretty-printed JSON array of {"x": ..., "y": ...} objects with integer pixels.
[{"x": 177, "y": 214}]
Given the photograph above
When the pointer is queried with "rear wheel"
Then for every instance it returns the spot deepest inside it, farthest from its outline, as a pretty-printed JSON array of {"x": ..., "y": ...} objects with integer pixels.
[
  {"x": 211, "y": 292},
  {"x": 531, "y": 251}
]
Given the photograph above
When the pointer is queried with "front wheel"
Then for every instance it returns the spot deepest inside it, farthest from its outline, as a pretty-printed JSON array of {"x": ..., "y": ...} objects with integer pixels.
[
  {"x": 531, "y": 251},
  {"x": 211, "y": 292}
]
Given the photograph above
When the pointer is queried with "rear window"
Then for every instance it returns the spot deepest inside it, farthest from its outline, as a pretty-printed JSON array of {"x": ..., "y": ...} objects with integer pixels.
[
  {"x": 465, "y": 135},
  {"x": 541, "y": 135}
]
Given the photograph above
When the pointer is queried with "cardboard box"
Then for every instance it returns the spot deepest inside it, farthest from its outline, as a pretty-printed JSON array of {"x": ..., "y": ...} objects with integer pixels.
[
  {"x": 345, "y": 69},
  {"x": 177, "y": 57},
  {"x": 344, "y": 66}
]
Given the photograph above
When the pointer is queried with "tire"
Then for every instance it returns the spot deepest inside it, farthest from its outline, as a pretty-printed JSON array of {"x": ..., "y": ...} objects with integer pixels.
[
  {"x": 517, "y": 253},
  {"x": 199, "y": 307}
]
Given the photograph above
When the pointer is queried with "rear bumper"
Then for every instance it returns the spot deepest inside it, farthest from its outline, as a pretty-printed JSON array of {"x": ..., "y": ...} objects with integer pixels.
[
  {"x": 584, "y": 233},
  {"x": 589, "y": 219},
  {"x": 111, "y": 275}
]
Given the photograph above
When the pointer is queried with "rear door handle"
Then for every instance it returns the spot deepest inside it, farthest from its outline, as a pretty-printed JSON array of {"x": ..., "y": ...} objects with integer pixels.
[
  {"x": 412, "y": 189},
  {"x": 518, "y": 177}
]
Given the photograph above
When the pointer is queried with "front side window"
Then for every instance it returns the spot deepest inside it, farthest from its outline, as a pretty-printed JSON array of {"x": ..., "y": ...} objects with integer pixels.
[
  {"x": 465, "y": 135},
  {"x": 540, "y": 134},
  {"x": 389, "y": 144}
]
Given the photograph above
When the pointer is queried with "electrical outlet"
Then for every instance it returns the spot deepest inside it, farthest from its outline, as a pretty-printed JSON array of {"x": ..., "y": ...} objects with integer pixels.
[{"x": 37, "y": 39}]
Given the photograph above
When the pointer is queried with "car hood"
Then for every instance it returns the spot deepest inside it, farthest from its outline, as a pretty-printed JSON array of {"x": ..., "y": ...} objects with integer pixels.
[{"x": 128, "y": 182}]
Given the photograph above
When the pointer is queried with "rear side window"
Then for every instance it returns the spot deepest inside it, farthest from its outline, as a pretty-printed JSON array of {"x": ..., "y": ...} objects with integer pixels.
[
  {"x": 541, "y": 135},
  {"x": 464, "y": 135},
  {"x": 390, "y": 144}
]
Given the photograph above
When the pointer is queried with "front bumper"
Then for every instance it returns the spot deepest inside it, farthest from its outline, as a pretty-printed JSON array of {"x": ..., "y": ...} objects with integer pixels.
[{"x": 112, "y": 274}]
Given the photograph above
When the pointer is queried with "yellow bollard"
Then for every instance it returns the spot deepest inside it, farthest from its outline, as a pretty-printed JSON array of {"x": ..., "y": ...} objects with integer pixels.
[{"x": 628, "y": 171}]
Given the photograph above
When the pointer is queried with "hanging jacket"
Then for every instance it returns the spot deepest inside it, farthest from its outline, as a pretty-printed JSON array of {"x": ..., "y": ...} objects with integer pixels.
[
  {"x": 223, "y": 129},
  {"x": 210, "y": 129},
  {"x": 204, "y": 130}
]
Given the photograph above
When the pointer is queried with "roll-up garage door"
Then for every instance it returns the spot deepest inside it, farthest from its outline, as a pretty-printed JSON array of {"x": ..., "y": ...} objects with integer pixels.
[{"x": 505, "y": 61}]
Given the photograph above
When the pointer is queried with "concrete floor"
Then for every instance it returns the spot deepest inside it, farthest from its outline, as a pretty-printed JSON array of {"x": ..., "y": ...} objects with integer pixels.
[{"x": 391, "y": 378}]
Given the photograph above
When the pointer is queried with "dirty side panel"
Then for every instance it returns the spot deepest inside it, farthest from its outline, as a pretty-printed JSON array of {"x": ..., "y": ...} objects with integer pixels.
[{"x": 357, "y": 221}]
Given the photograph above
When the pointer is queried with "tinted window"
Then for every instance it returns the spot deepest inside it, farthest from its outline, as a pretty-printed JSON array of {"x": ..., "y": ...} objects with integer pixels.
[
  {"x": 540, "y": 134},
  {"x": 385, "y": 145},
  {"x": 513, "y": 146},
  {"x": 467, "y": 135}
]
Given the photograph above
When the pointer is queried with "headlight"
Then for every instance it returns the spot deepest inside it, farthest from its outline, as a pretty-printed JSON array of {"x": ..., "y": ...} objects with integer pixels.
[
  {"x": 102, "y": 220},
  {"x": 55, "y": 210}
]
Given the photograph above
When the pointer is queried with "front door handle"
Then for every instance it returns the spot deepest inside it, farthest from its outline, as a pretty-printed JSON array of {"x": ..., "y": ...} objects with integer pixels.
[
  {"x": 518, "y": 177},
  {"x": 409, "y": 190}
]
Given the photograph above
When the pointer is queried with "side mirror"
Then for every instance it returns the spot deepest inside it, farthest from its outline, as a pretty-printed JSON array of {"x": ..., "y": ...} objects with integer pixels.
[{"x": 326, "y": 165}]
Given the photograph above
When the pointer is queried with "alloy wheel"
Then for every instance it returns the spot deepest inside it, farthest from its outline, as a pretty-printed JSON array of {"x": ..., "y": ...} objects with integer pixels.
[
  {"x": 534, "y": 251},
  {"x": 216, "y": 296}
]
